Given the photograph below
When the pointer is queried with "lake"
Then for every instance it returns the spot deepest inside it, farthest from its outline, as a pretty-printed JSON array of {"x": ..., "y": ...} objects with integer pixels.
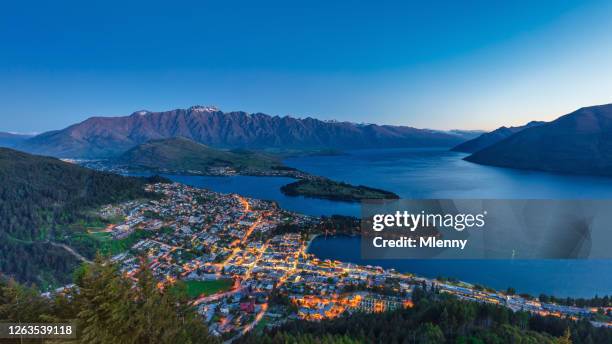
[
  {"x": 268, "y": 188},
  {"x": 437, "y": 173},
  {"x": 574, "y": 278}
]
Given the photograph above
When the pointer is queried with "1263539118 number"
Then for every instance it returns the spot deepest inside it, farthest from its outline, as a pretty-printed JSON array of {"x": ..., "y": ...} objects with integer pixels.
[{"x": 38, "y": 330}]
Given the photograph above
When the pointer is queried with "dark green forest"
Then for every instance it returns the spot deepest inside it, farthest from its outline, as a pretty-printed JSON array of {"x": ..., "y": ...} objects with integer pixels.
[
  {"x": 39, "y": 198},
  {"x": 597, "y": 301},
  {"x": 107, "y": 308},
  {"x": 437, "y": 318}
]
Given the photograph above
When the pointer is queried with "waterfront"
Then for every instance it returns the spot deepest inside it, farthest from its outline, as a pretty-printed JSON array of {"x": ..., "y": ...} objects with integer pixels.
[
  {"x": 268, "y": 188},
  {"x": 228, "y": 251},
  {"x": 438, "y": 173},
  {"x": 562, "y": 278}
]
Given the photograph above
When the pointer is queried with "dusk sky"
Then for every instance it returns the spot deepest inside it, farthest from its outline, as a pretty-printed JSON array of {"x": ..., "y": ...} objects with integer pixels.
[{"x": 441, "y": 65}]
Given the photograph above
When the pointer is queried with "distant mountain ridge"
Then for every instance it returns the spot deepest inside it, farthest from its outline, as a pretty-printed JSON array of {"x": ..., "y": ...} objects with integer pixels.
[
  {"x": 12, "y": 139},
  {"x": 490, "y": 138},
  {"x": 110, "y": 136},
  {"x": 576, "y": 143}
]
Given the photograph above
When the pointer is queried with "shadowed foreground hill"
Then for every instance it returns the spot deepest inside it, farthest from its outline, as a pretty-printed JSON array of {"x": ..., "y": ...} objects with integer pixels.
[
  {"x": 39, "y": 197},
  {"x": 180, "y": 154},
  {"x": 577, "y": 143}
]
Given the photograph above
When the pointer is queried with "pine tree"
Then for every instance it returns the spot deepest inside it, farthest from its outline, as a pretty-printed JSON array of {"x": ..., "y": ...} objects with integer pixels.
[
  {"x": 113, "y": 309},
  {"x": 566, "y": 338}
]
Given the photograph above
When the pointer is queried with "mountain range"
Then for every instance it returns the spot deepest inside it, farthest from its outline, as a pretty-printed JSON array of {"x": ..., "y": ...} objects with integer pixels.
[
  {"x": 576, "y": 143},
  {"x": 102, "y": 137},
  {"x": 491, "y": 138}
]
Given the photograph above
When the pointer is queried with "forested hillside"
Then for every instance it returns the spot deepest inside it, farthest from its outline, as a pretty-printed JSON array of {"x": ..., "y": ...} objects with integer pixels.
[
  {"x": 39, "y": 197},
  {"x": 436, "y": 319},
  {"x": 107, "y": 308},
  {"x": 183, "y": 155}
]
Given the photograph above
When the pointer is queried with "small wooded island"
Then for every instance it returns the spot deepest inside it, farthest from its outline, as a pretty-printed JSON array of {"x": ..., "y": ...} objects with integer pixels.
[{"x": 333, "y": 190}]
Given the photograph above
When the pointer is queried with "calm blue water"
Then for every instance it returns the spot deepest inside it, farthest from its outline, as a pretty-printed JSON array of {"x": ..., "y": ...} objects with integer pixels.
[
  {"x": 553, "y": 277},
  {"x": 437, "y": 173},
  {"x": 410, "y": 173},
  {"x": 268, "y": 188}
]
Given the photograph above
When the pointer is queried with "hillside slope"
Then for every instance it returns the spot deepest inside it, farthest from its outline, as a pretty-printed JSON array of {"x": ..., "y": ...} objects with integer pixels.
[
  {"x": 180, "y": 154},
  {"x": 577, "y": 143},
  {"x": 40, "y": 197}
]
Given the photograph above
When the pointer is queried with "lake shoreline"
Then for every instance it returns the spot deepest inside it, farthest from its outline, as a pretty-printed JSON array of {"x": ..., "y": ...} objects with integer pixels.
[
  {"x": 436, "y": 174},
  {"x": 526, "y": 276}
]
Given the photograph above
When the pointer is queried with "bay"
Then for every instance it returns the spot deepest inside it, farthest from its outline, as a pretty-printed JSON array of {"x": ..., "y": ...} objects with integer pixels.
[{"x": 437, "y": 173}]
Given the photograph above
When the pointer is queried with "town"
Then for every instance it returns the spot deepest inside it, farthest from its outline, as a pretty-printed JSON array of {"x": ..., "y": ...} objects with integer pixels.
[{"x": 243, "y": 272}]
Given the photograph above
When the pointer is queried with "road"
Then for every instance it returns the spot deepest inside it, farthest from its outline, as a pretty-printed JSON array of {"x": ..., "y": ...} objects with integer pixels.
[
  {"x": 71, "y": 251},
  {"x": 249, "y": 327}
]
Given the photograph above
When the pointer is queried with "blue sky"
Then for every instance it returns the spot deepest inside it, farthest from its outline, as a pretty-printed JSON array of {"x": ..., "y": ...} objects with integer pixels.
[{"x": 435, "y": 64}]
